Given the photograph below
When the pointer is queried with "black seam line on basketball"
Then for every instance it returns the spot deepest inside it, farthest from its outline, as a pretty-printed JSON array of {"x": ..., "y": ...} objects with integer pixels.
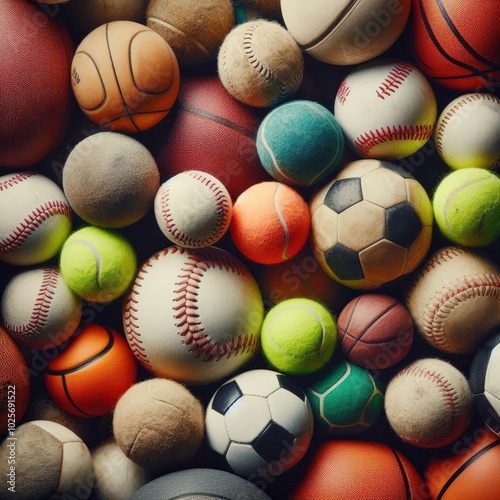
[
  {"x": 482, "y": 73},
  {"x": 377, "y": 342},
  {"x": 136, "y": 114},
  {"x": 205, "y": 495},
  {"x": 438, "y": 46},
  {"x": 218, "y": 119},
  {"x": 382, "y": 313},
  {"x": 403, "y": 474},
  {"x": 117, "y": 81},
  {"x": 332, "y": 27},
  {"x": 70, "y": 399},
  {"x": 461, "y": 39},
  {"x": 89, "y": 361},
  {"x": 100, "y": 79},
  {"x": 464, "y": 466}
]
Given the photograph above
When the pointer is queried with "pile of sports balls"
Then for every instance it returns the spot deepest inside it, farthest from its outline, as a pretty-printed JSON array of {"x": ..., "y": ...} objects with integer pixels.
[{"x": 250, "y": 249}]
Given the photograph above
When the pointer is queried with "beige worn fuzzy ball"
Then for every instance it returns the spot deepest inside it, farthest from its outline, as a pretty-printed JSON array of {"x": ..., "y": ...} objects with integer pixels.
[
  {"x": 116, "y": 476},
  {"x": 110, "y": 180},
  {"x": 429, "y": 403},
  {"x": 49, "y": 461},
  {"x": 194, "y": 30},
  {"x": 159, "y": 424},
  {"x": 260, "y": 64}
]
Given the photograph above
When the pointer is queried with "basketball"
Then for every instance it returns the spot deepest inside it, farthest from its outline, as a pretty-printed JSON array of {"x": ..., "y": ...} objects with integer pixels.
[
  {"x": 15, "y": 383},
  {"x": 125, "y": 76},
  {"x": 348, "y": 469},
  {"x": 375, "y": 330},
  {"x": 455, "y": 43},
  {"x": 212, "y": 132},
  {"x": 87, "y": 378},
  {"x": 35, "y": 97},
  {"x": 470, "y": 472}
]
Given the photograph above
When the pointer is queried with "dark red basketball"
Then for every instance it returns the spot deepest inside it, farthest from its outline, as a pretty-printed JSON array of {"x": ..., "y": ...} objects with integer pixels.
[
  {"x": 375, "y": 330},
  {"x": 456, "y": 43},
  {"x": 212, "y": 132},
  {"x": 35, "y": 93}
]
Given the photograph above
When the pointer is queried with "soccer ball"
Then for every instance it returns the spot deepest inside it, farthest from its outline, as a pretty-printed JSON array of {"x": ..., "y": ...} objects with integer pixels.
[
  {"x": 261, "y": 422},
  {"x": 371, "y": 224},
  {"x": 484, "y": 381},
  {"x": 346, "y": 399}
]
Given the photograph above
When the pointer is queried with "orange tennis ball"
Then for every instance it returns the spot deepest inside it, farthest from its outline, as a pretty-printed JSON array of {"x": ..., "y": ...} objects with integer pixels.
[
  {"x": 270, "y": 222},
  {"x": 88, "y": 377},
  {"x": 125, "y": 76}
]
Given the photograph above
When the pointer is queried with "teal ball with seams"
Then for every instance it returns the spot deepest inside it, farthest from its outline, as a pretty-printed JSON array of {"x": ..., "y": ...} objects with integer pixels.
[{"x": 300, "y": 143}]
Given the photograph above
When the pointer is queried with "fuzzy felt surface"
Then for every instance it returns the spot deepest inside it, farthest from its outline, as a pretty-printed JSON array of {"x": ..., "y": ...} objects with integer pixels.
[
  {"x": 467, "y": 207},
  {"x": 158, "y": 424},
  {"x": 270, "y": 222},
  {"x": 98, "y": 264},
  {"x": 300, "y": 143}
]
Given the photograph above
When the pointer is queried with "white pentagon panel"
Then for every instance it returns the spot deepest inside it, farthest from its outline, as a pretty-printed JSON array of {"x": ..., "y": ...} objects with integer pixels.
[
  {"x": 384, "y": 187},
  {"x": 492, "y": 376},
  {"x": 258, "y": 382},
  {"x": 246, "y": 418},
  {"x": 324, "y": 224},
  {"x": 292, "y": 413},
  {"x": 216, "y": 432},
  {"x": 493, "y": 400},
  {"x": 244, "y": 460}
]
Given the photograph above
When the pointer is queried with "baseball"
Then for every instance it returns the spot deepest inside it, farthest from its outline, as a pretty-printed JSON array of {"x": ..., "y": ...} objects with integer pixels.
[
  {"x": 193, "y": 316},
  {"x": 467, "y": 132},
  {"x": 38, "y": 308},
  {"x": 386, "y": 108},
  {"x": 428, "y": 403},
  {"x": 455, "y": 299},
  {"x": 193, "y": 209},
  {"x": 36, "y": 218}
]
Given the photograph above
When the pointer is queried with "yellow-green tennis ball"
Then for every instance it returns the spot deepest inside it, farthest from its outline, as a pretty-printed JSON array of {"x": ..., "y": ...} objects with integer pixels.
[
  {"x": 298, "y": 336},
  {"x": 466, "y": 206},
  {"x": 98, "y": 264}
]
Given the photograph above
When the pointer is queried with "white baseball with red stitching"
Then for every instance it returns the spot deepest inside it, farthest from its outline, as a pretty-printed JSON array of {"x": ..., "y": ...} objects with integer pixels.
[
  {"x": 193, "y": 315},
  {"x": 193, "y": 209},
  {"x": 35, "y": 218},
  {"x": 38, "y": 308},
  {"x": 386, "y": 108}
]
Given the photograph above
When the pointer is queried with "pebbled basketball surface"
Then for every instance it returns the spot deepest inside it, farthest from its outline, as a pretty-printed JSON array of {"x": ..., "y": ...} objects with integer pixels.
[{"x": 200, "y": 484}]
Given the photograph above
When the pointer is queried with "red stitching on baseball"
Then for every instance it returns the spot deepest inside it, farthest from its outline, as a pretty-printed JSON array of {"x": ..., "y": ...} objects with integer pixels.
[
  {"x": 222, "y": 213},
  {"x": 185, "y": 307},
  {"x": 14, "y": 180},
  {"x": 394, "y": 79},
  {"x": 437, "y": 312},
  {"x": 31, "y": 223},
  {"x": 41, "y": 307},
  {"x": 373, "y": 138},
  {"x": 343, "y": 91}
]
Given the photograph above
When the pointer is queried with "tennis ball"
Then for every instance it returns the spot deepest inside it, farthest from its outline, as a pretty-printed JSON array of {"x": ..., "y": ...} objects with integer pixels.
[
  {"x": 287, "y": 155},
  {"x": 98, "y": 264},
  {"x": 466, "y": 206},
  {"x": 298, "y": 336},
  {"x": 159, "y": 424}
]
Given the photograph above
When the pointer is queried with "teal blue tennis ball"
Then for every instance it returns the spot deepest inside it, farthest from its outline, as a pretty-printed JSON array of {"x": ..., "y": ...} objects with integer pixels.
[
  {"x": 345, "y": 399},
  {"x": 300, "y": 143}
]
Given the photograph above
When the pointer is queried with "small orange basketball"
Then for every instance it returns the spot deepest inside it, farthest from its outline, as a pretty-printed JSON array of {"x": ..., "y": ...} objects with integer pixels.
[
  {"x": 352, "y": 469},
  {"x": 470, "y": 472},
  {"x": 456, "y": 43},
  {"x": 14, "y": 383},
  {"x": 88, "y": 377},
  {"x": 125, "y": 76}
]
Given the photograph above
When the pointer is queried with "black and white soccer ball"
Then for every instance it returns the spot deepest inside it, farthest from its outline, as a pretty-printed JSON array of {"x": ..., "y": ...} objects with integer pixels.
[
  {"x": 484, "y": 381},
  {"x": 261, "y": 422}
]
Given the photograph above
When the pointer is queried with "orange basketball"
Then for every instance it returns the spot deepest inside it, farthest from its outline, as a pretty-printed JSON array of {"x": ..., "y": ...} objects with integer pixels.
[
  {"x": 470, "y": 472},
  {"x": 125, "y": 76},
  {"x": 35, "y": 92},
  {"x": 457, "y": 43},
  {"x": 88, "y": 377},
  {"x": 14, "y": 383},
  {"x": 351, "y": 469}
]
